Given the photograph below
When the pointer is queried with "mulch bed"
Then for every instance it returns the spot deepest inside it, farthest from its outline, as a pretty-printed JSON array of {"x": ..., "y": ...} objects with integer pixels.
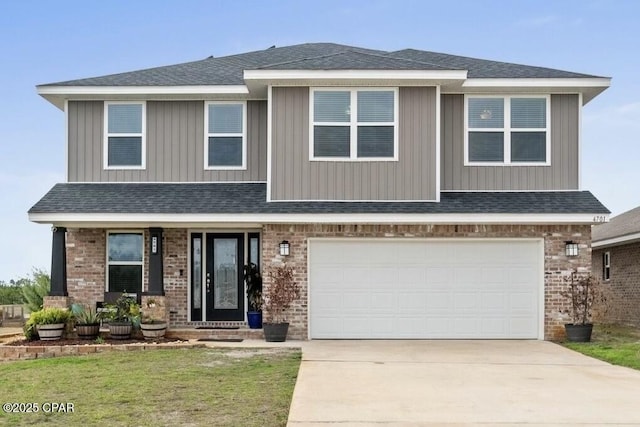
[{"x": 84, "y": 342}]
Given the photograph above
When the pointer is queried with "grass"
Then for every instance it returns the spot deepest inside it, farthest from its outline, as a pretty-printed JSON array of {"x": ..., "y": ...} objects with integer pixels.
[
  {"x": 188, "y": 387},
  {"x": 618, "y": 345}
]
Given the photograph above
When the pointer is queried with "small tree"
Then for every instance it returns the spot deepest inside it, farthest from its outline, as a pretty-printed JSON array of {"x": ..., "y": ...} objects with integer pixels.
[
  {"x": 282, "y": 292},
  {"x": 34, "y": 290},
  {"x": 253, "y": 281},
  {"x": 585, "y": 293}
]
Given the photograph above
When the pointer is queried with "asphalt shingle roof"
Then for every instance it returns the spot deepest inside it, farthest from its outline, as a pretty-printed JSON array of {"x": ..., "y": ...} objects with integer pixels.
[
  {"x": 228, "y": 70},
  {"x": 210, "y": 198},
  {"x": 618, "y": 226}
]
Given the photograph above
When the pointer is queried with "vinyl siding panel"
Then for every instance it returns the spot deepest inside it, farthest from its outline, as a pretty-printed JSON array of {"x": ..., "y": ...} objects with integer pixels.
[
  {"x": 562, "y": 174},
  {"x": 412, "y": 177},
  {"x": 175, "y": 144}
]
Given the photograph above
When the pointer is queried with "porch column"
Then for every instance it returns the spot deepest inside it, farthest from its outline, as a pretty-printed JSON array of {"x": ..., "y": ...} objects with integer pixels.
[
  {"x": 156, "y": 269},
  {"x": 59, "y": 263}
]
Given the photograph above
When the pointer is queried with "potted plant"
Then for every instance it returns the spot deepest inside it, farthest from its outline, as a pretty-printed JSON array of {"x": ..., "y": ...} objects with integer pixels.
[
  {"x": 122, "y": 316},
  {"x": 283, "y": 291},
  {"x": 584, "y": 293},
  {"x": 87, "y": 322},
  {"x": 150, "y": 326},
  {"x": 253, "y": 281},
  {"x": 48, "y": 323}
]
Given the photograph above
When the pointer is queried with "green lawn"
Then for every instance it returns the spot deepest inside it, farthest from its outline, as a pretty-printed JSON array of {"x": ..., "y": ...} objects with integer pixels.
[
  {"x": 190, "y": 387},
  {"x": 619, "y": 345}
]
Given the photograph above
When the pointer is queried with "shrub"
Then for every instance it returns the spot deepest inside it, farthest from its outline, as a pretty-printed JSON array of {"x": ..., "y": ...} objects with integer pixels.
[
  {"x": 585, "y": 293},
  {"x": 283, "y": 291},
  {"x": 83, "y": 315},
  {"x": 36, "y": 289},
  {"x": 46, "y": 316}
]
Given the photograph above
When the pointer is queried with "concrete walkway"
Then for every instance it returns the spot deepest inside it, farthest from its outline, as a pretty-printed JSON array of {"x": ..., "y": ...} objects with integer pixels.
[{"x": 459, "y": 383}]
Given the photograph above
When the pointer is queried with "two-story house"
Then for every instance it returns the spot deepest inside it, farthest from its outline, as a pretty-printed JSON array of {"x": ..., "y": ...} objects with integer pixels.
[{"x": 416, "y": 194}]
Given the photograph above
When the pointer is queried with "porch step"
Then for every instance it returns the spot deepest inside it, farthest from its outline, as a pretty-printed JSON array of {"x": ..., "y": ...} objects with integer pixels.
[{"x": 191, "y": 333}]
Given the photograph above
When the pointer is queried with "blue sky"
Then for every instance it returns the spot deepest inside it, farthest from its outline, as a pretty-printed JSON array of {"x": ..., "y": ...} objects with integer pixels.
[{"x": 46, "y": 41}]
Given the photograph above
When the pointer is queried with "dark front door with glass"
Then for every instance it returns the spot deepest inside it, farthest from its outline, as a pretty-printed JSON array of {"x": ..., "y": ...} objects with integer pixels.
[{"x": 217, "y": 279}]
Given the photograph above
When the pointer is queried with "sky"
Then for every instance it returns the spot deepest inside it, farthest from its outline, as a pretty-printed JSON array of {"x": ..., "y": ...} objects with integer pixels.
[{"x": 46, "y": 41}]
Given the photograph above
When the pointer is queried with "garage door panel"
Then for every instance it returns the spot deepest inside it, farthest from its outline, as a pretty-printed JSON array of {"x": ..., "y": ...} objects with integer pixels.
[{"x": 424, "y": 289}]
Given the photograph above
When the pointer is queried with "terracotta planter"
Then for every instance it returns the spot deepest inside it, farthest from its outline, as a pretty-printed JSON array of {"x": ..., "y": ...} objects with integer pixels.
[
  {"x": 275, "y": 332},
  {"x": 153, "y": 330},
  {"x": 120, "y": 331},
  {"x": 88, "y": 332},
  {"x": 50, "y": 332}
]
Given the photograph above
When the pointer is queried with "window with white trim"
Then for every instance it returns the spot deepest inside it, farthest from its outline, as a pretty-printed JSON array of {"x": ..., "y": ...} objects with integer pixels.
[
  {"x": 225, "y": 140},
  {"x": 354, "y": 124},
  {"x": 606, "y": 265},
  {"x": 124, "y": 143},
  {"x": 507, "y": 130},
  {"x": 124, "y": 261}
]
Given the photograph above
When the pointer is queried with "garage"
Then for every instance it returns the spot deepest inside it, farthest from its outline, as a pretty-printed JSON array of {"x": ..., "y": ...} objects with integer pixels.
[{"x": 425, "y": 288}]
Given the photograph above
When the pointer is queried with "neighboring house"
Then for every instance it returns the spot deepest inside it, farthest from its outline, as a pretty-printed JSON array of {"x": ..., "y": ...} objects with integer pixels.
[
  {"x": 616, "y": 262},
  {"x": 422, "y": 195}
]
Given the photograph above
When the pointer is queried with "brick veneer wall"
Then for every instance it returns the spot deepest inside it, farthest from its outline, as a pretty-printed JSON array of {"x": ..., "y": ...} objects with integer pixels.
[
  {"x": 623, "y": 288},
  {"x": 557, "y": 264}
]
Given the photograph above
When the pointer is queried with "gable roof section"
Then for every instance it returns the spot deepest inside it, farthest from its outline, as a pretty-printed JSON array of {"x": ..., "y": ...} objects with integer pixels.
[
  {"x": 621, "y": 229},
  {"x": 100, "y": 202}
]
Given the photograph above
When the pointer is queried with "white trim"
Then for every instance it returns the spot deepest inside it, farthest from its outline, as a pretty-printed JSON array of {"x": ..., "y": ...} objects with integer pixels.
[
  {"x": 239, "y": 219},
  {"x": 535, "y": 82},
  {"x": 353, "y": 124},
  {"x": 108, "y": 263},
  {"x": 566, "y": 190},
  {"x": 66, "y": 139},
  {"x": 355, "y": 74},
  {"x": 142, "y": 135},
  {"x": 142, "y": 90},
  {"x": 629, "y": 238},
  {"x": 507, "y": 131},
  {"x": 208, "y": 134},
  {"x": 438, "y": 160},
  {"x": 540, "y": 264},
  {"x": 269, "y": 139}
]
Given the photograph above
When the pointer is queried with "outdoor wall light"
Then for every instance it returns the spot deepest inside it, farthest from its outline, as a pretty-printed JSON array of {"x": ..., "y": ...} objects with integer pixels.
[
  {"x": 284, "y": 248},
  {"x": 154, "y": 244},
  {"x": 571, "y": 248}
]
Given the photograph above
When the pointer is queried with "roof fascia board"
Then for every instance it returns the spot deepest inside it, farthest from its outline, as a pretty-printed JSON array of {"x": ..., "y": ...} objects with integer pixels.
[
  {"x": 629, "y": 238},
  {"x": 595, "y": 82},
  {"x": 240, "y": 218},
  {"x": 142, "y": 90},
  {"x": 355, "y": 74}
]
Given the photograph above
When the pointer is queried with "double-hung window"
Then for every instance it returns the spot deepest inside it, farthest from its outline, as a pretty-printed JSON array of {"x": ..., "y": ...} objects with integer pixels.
[
  {"x": 124, "y": 262},
  {"x": 225, "y": 139},
  {"x": 124, "y": 146},
  {"x": 354, "y": 124},
  {"x": 507, "y": 130}
]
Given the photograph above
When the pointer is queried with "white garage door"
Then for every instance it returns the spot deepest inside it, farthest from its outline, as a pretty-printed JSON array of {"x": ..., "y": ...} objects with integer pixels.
[{"x": 399, "y": 288}]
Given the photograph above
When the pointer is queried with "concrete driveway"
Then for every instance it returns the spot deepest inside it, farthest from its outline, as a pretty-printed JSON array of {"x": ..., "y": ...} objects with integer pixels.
[{"x": 459, "y": 383}]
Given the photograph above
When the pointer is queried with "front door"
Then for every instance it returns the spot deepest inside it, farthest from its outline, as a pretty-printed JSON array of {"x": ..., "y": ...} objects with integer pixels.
[{"x": 223, "y": 278}]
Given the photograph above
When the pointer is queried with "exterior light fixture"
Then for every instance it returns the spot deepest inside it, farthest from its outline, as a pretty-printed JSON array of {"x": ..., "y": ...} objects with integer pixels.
[
  {"x": 154, "y": 244},
  {"x": 571, "y": 248},
  {"x": 284, "y": 248}
]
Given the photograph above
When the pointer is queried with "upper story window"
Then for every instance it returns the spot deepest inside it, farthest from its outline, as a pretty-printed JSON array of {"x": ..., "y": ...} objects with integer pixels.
[
  {"x": 354, "y": 124},
  {"x": 507, "y": 130},
  {"x": 124, "y": 262},
  {"x": 124, "y": 146},
  {"x": 225, "y": 140}
]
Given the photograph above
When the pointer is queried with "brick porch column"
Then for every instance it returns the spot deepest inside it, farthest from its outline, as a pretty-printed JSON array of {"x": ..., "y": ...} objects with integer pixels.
[{"x": 59, "y": 263}]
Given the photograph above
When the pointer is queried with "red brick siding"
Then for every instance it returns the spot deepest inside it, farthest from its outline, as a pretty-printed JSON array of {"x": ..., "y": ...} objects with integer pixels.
[{"x": 623, "y": 288}]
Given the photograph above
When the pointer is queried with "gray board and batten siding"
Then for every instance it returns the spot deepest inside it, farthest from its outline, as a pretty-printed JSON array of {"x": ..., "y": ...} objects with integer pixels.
[
  {"x": 175, "y": 144},
  {"x": 295, "y": 177},
  {"x": 562, "y": 174}
]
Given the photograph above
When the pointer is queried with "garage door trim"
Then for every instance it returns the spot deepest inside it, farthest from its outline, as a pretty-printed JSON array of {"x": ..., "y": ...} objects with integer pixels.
[{"x": 537, "y": 240}]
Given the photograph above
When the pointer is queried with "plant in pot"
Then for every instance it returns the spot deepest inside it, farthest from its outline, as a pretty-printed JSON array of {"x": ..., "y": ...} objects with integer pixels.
[
  {"x": 87, "y": 322},
  {"x": 48, "y": 324},
  {"x": 253, "y": 281},
  {"x": 585, "y": 294},
  {"x": 122, "y": 315},
  {"x": 283, "y": 291},
  {"x": 151, "y": 326}
]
